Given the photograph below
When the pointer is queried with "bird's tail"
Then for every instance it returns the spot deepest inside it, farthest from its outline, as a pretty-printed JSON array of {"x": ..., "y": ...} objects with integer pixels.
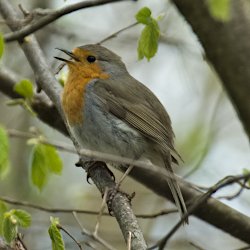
[{"x": 175, "y": 190}]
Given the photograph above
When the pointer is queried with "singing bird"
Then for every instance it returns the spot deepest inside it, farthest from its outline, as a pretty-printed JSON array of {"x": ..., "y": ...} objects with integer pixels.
[{"x": 108, "y": 110}]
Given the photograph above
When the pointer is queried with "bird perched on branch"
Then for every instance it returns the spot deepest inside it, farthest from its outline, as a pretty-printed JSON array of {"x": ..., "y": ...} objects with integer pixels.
[{"x": 109, "y": 111}]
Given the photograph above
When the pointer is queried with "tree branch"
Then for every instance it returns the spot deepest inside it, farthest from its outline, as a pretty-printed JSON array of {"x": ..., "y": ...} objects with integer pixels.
[
  {"x": 51, "y": 16},
  {"x": 227, "y": 47}
]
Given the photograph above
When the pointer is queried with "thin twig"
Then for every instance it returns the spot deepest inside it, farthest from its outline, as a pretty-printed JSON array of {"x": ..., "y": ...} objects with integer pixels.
[
  {"x": 94, "y": 237},
  {"x": 104, "y": 199},
  {"x": 52, "y": 15},
  {"x": 115, "y": 34},
  {"x": 232, "y": 196},
  {"x": 196, "y": 246},
  {"x": 70, "y": 235},
  {"x": 20, "y": 240},
  {"x": 47, "y": 209},
  {"x": 203, "y": 198},
  {"x": 125, "y": 174},
  {"x": 80, "y": 211},
  {"x": 129, "y": 240}
]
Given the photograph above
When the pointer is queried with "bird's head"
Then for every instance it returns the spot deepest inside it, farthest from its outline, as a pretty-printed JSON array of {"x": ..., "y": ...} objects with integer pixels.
[{"x": 93, "y": 61}]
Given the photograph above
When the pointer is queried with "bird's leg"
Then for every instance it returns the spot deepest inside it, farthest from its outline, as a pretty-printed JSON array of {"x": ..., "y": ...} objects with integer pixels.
[
  {"x": 113, "y": 189},
  {"x": 88, "y": 166}
]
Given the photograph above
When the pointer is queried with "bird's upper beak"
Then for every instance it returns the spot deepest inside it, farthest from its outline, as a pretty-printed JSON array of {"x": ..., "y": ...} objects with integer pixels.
[{"x": 69, "y": 53}]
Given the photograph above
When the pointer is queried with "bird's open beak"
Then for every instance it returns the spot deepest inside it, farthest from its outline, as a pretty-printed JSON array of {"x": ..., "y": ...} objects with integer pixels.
[{"x": 69, "y": 53}]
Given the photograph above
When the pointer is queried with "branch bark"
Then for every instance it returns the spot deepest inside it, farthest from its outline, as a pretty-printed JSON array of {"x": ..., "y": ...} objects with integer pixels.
[
  {"x": 51, "y": 16},
  {"x": 227, "y": 47}
]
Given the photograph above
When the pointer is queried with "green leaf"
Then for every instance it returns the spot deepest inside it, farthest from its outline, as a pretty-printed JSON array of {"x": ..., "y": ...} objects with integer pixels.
[
  {"x": 23, "y": 218},
  {"x": 9, "y": 227},
  {"x": 220, "y": 9},
  {"x": 53, "y": 159},
  {"x": 45, "y": 160},
  {"x": 3, "y": 209},
  {"x": 4, "y": 152},
  {"x": 55, "y": 235},
  {"x": 144, "y": 15},
  {"x": 39, "y": 171},
  {"x": 24, "y": 88},
  {"x": 1, "y": 45},
  {"x": 148, "y": 42}
]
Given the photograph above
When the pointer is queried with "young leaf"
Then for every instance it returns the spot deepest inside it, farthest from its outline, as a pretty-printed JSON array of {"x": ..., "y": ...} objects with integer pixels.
[
  {"x": 9, "y": 227},
  {"x": 1, "y": 45},
  {"x": 4, "y": 152},
  {"x": 53, "y": 160},
  {"x": 23, "y": 218},
  {"x": 39, "y": 171},
  {"x": 219, "y": 9},
  {"x": 55, "y": 235},
  {"x": 45, "y": 160},
  {"x": 143, "y": 15},
  {"x": 24, "y": 88},
  {"x": 3, "y": 209},
  {"x": 148, "y": 42}
]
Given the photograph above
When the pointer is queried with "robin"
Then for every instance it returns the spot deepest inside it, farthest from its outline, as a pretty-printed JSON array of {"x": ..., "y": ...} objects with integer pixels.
[{"x": 109, "y": 111}]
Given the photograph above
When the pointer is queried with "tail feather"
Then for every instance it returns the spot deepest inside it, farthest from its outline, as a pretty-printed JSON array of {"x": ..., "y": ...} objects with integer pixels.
[{"x": 175, "y": 190}]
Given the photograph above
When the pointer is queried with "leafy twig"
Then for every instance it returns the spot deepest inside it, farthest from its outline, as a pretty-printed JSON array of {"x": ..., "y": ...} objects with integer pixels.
[{"x": 115, "y": 34}]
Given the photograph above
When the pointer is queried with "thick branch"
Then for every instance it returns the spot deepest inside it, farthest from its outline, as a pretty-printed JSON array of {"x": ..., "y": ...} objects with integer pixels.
[
  {"x": 227, "y": 47},
  {"x": 51, "y": 16},
  {"x": 120, "y": 206}
]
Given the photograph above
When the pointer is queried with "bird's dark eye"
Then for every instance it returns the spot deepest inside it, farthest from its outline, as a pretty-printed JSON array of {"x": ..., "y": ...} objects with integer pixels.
[{"x": 91, "y": 59}]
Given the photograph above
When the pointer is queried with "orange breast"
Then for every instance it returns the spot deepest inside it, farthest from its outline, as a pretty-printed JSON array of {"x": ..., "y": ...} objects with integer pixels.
[
  {"x": 73, "y": 99},
  {"x": 75, "y": 89}
]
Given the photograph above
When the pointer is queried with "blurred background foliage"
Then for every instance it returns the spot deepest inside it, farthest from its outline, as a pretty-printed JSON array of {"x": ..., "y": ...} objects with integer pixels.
[{"x": 209, "y": 135}]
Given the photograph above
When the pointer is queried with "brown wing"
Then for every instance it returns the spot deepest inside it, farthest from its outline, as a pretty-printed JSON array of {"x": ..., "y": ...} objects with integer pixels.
[{"x": 138, "y": 113}]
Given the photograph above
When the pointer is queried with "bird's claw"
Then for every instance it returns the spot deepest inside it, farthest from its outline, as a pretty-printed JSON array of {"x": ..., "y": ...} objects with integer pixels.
[{"x": 90, "y": 165}]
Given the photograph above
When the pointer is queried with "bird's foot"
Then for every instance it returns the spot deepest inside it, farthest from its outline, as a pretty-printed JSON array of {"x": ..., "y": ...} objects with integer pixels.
[{"x": 91, "y": 165}]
